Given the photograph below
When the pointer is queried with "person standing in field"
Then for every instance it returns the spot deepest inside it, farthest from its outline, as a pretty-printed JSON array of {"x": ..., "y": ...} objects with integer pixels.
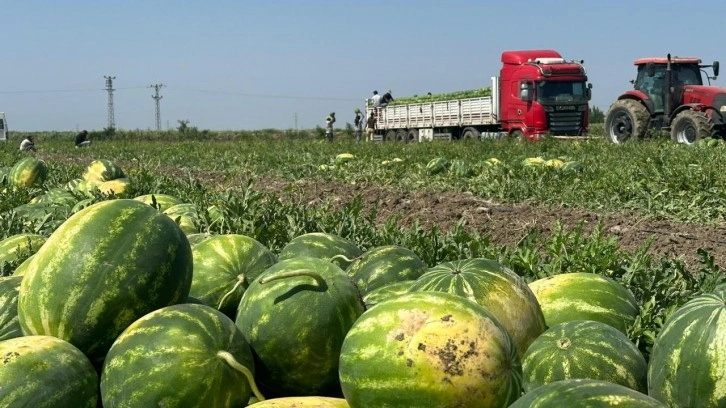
[
  {"x": 82, "y": 139},
  {"x": 27, "y": 145},
  {"x": 358, "y": 122},
  {"x": 329, "y": 126},
  {"x": 370, "y": 126}
]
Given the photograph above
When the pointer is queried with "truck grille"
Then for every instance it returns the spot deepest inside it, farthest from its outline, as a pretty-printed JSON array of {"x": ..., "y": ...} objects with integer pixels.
[
  {"x": 719, "y": 102},
  {"x": 566, "y": 123}
]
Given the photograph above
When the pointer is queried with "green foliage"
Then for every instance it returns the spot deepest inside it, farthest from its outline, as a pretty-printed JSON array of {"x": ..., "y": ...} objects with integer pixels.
[{"x": 596, "y": 115}]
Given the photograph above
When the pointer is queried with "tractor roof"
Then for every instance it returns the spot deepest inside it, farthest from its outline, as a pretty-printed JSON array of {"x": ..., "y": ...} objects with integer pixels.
[{"x": 664, "y": 60}]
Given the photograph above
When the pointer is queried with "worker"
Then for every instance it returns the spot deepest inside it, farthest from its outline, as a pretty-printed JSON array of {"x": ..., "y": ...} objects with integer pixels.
[
  {"x": 329, "y": 126},
  {"x": 386, "y": 98},
  {"x": 82, "y": 139},
  {"x": 370, "y": 126},
  {"x": 358, "y": 122},
  {"x": 376, "y": 99},
  {"x": 28, "y": 144}
]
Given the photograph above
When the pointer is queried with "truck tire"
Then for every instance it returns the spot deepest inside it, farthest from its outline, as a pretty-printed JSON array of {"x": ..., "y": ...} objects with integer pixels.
[
  {"x": 626, "y": 120},
  {"x": 402, "y": 136},
  {"x": 470, "y": 133},
  {"x": 690, "y": 126},
  {"x": 390, "y": 136},
  {"x": 412, "y": 136},
  {"x": 517, "y": 134}
]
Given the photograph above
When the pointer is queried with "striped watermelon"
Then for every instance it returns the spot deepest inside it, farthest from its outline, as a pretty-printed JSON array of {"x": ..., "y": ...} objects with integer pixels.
[
  {"x": 437, "y": 165},
  {"x": 102, "y": 269},
  {"x": 186, "y": 215},
  {"x": 20, "y": 270},
  {"x": 20, "y": 246},
  {"x": 383, "y": 265},
  {"x": 28, "y": 172},
  {"x": 461, "y": 168},
  {"x": 586, "y": 394},
  {"x": 160, "y": 201},
  {"x": 295, "y": 316},
  {"x": 494, "y": 286},
  {"x": 584, "y": 349},
  {"x": 329, "y": 247},
  {"x": 302, "y": 402},
  {"x": 45, "y": 372},
  {"x": 58, "y": 196},
  {"x": 688, "y": 361},
  {"x": 385, "y": 292},
  {"x": 585, "y": 296},
  {"x": 198, "y": 237},
  {"x": 429, "y": 349},
  {"x": 179, "y": 356},
  {"x": 9, "y": 325},
  {"x": 224, "y": 265},
  {"x": 117, "y": 187},
  {"x": 102, "y": 170}
]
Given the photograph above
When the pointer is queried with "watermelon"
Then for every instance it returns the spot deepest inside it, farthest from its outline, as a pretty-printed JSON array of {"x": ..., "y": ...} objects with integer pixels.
[
  {"x": 160, "y": 201},
  {"x": 102, "y": 170},
  {"x": 495, "y": 287},
  {"x": 45, "y": 372},
  {"x": 461, "y": 169},
  {"x": 383, "y": 265},
  {"x": 181, "y": 355},
  {"x": 329, "y": 247},
  {"x": 437, "y": 165},
  {"x": 295, "y": 316},
  {"x": 302, "y": 402},
  {"x": 343, "y": 158},
  {"x": 554, "y": 163},
  {"x": 28, "y": 172},
  {"x": 82, "y": 186},
  {"x": 429, "y": 349},
  {"x": 57, "y": 196},
  {"x": 102, "y": 269},
  {"x": 9, "y": 325},
  {"x": 186, "y": 215},
  {"x": 198, "y": 237},
  {"x": 117, "y": 187},
  {"x": 533, "y": 162},
  {"x": 20, "y": 270},
  {"x": 224, "y": 265},
  {"x": 584, "y": 349},
  {"x": 387, "y": 291},
  {"x": 585, "y": 393},
  {"x": 688, "y": 361},
  {"x": 585, "y": 296},
  {"x": 20, "y": 246}
]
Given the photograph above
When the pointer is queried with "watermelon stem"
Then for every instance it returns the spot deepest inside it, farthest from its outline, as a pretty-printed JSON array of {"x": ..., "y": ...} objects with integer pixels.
[
  {"x": 229, "y": 358},
  {"x": 343, "y": 257},
  {"x": 240, "y": 280},
  {"x": 291, "y": 274}
]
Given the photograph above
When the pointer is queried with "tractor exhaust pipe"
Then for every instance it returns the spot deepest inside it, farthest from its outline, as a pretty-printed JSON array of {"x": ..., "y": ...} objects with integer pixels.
[{"x": 668, "y": 103}]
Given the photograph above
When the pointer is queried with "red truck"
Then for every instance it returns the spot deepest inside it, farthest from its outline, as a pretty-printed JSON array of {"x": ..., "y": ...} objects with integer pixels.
[{"x": 537, "y": 93}]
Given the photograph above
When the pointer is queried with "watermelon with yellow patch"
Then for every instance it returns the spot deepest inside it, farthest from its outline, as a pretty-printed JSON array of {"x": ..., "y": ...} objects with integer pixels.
[
  {"x": 28, "y": 172},
  {"x": 102, "y": 170},
  {"x": 117, "y": 187}
]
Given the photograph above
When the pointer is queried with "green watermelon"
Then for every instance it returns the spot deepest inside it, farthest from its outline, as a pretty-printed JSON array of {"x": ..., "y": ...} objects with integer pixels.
[
  {"x": 20, "y": 246},
  {"x": 587, "y": 394},
  {"x": 45, "y": 372},
  {"x": 495, "y": 287},
  {"x": 383, "y": 265},
  {"x": 58, "y": 196},
  {"x": 102, "y": 269},
  {"x": 585, "y": 296},
  {"x": 584, "y": 349},
  {"x": 302, "y": 402},
  {"x": 20, "y": 270},
  {"x": 183, "y": 355},
  {"x": 102, "y": 170},
  {"x": 461, "y": 169},
  {"x": 186, "y": 215},
  {"x": 198, "y": 237},
  {"x": 387, "y": 291},
  {"x": 437, "y": 165},
  {"x": 161, "y": 201},
  {"x": 224, "y": 265},
  {"x": 28, "y": 172},
  {"x": 47, "y": 213},
  {"x": 295, "y": 316},
  {"x": 429, "y": 349},
  {"x": 343, "y": 158},
  {"x": 329, "y": 247},
  {"x": 9, "y": 325},
  {"x": 688, "y": 361}
]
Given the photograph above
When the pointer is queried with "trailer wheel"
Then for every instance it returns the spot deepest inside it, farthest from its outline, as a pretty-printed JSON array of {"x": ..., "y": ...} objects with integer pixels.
[
  {"x": 401, "y": 136},
  {"x": 391, "y": 136},
  {"x": 412, "y": 136},
  {"x": 691, "y": 126},
  {"x": 626, "y": 119},
  {"x": 470, "y": 133}
]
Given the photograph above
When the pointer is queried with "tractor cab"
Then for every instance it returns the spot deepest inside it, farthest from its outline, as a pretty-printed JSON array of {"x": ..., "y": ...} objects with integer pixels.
[{"x": 651, "y": 78}]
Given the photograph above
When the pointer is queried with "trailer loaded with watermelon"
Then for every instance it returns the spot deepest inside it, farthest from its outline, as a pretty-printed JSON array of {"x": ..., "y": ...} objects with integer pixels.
[{"x": 127, "y": 303}]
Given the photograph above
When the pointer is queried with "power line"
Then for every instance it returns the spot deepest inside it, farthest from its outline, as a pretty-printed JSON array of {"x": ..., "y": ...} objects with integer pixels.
[
  {"x": 318, "y": 98},
  {"x": 67, "y": 90}
]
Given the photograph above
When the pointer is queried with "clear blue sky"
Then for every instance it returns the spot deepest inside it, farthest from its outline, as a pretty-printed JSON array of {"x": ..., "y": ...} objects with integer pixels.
[{"x": 252, "y": 64}]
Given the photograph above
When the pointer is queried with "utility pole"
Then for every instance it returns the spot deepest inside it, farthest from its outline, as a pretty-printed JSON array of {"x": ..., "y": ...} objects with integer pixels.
[
  {"x": 157, "y": 98},
  {"x": 109, "y": 89}
]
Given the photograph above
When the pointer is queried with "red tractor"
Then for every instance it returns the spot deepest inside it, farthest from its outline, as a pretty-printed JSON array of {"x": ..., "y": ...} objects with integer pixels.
[{"x": 669, "y": 94}]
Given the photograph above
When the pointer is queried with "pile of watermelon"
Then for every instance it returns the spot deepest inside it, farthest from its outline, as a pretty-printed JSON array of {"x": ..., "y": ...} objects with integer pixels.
[{"x": 128, "y": 304}]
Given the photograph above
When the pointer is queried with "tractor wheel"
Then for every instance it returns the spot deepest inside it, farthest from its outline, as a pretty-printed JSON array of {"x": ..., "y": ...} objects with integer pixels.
[
  {"x": 626, "y": 120},
  {"x": 691, "y": 126}
]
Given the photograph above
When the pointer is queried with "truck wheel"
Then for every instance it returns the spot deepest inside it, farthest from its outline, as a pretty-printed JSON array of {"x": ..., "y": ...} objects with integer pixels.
[
  {"x": 412, "y": 136},
  {"x": 402, "y": 136},
  {"x": 517, "y": 134},
  {"x": 391, "y": 136},
  {"x": 691, "y": 126},
  {"x": 626, "y": 119},
  {"x": 470, "y": 133}
]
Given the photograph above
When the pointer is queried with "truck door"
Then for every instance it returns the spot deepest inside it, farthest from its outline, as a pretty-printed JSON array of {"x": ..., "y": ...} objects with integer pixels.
[
  {"x": 3, "y": 128},
  {"x": 519, "y": 111}
]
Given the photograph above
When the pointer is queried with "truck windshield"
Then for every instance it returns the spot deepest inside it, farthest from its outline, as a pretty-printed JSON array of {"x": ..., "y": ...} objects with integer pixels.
[{"x": 561, "y": 91}]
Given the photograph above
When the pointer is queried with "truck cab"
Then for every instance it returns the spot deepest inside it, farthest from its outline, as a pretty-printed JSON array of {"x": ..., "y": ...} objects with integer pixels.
[
  {"x": 541, "y": 94},
  {"x": 3, "y": 128}
]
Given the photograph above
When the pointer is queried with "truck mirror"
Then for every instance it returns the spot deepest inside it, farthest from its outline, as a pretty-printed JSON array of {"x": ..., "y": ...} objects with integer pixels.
[
  {"x": 525, "y": 93},
  {"x": 715, "y": 68},
  {"x": 650, "y": 69},
  {"x": 589, "y": 91}
]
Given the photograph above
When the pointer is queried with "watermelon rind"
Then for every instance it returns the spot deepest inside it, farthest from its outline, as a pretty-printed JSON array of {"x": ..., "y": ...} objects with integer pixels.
[
  {"x": 585, "y": 393},
  {"x": 385, "y": 292},
  {"x": 302, "y": 402},
  {"x": 9, "y": 324},
  {"x": 102, "y": 170},
  {"x": 28, "y": 172},
  {"x": 327, "y": 246},
  {"x": 385, "y": 264}
]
